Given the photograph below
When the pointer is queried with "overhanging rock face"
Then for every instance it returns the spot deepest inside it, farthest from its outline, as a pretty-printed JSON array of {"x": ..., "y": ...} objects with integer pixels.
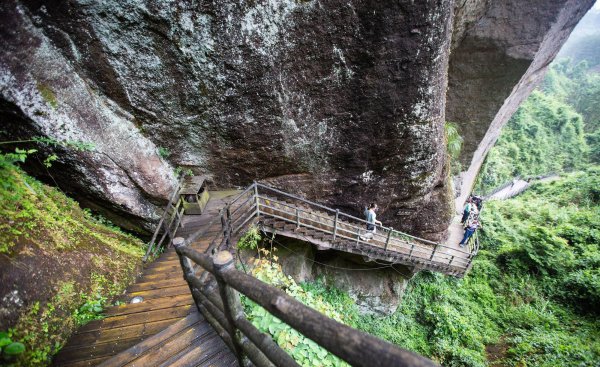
[
  {"x": 342, "y": 102},
  {"x": 500, "y": 53}
]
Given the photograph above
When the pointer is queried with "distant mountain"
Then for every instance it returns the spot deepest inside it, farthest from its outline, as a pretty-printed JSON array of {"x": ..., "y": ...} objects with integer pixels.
[{"x": 584, "y": 42}]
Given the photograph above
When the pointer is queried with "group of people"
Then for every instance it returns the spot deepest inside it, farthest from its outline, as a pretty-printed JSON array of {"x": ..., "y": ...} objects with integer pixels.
[{"x": 470, "y": 218}]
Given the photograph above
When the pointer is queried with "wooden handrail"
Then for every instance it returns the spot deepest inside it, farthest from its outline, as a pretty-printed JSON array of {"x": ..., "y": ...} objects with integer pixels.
[
  {"x": 333, "y": 211},
  {"x": 394, "y": 245},
  {"x": 162, "y": 218},
  {"x": 439, "y": 255},
  {"x": 353, "y": 346}
]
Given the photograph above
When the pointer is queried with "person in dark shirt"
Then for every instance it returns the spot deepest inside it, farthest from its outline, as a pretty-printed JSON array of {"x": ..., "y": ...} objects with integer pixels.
[
  {"x": 471, "y": 228},
  {"x": 466, "y": 211}
]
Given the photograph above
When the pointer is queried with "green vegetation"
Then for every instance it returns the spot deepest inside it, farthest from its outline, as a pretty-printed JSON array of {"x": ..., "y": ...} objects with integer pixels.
[
  {"x": 303, "y": 350},
  {"x": 543, "y": 136},
  {"x": 90, "y": 310},
  {"x": 164, "y": 152},
  {"x": 530, "y": 299},
  {"x": 556, "y": 129},
  {"x": 44, "y": 232},
  {"x": 9, "y": 350},
  {"x": 453, "y": 146},
  {"x": 250, "y": 239}
]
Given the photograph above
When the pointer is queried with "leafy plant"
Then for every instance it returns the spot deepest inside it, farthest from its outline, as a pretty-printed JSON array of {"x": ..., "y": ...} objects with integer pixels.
[
  {"x": 250, "y": 239},
  {"x": 90, "y": 310},
  {"x": 303, "y": 350},
  {"x": 9, "y": 350},
  {"x": 163, "y": 152}
]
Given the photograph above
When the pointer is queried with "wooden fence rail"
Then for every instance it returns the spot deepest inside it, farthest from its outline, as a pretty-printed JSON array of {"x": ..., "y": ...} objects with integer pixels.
[
  {"x": 336, "y": 230},
  {"x": 226, "y": 315},
  {"x": 169, "y": 222}
]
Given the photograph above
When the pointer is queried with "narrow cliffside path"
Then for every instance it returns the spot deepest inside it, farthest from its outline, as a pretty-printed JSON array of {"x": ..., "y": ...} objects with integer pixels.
[{"x": 166, "y": 311}]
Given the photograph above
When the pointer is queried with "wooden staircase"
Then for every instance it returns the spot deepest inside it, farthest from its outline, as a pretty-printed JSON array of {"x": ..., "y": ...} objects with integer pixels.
[
  {"x": 131, "y": 332},
  {"x": 166, "y": 330}
]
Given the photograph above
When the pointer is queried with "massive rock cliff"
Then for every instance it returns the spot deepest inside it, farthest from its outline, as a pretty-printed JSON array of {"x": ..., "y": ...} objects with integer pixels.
[{"x": 341, "y": 101}]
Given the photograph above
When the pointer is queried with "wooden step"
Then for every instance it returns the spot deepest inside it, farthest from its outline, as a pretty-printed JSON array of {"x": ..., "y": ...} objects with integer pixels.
[
  {"x": 136, "y": 318},
  {"x": 159, "y": 284},
  {"x": 151, "y": 305},
  {"x": 189, "y": 342},
  {"x": 155, "y": 341},
  {"x": 178, "y": 290}
]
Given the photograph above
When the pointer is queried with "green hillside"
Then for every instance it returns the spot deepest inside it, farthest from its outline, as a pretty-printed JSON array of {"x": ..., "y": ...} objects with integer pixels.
[{"x": 61, "y": 263}]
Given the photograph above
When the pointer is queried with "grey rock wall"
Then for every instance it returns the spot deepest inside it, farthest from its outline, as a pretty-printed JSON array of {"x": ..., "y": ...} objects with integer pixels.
[
  {"x": 348, "y": 96},
  {"x": 341, "y": 101},
  {"x": 43, "y": 95}
]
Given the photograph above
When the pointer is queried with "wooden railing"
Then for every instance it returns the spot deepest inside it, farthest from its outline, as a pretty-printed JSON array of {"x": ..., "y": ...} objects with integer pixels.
[
  {"x": 216, "y": 295},
  {"x": 342, "y": 231},
  {"x": 168, "y": 224},
  {"x": 338, "y": 230}
]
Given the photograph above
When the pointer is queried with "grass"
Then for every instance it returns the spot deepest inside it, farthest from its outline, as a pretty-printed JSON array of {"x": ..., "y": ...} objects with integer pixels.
[{"x": 88, "y": 261}]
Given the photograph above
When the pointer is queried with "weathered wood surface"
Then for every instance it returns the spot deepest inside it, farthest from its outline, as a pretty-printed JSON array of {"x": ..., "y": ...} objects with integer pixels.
[
  {"x": 353, "y": 346},
  {"x": 167, "y": 301},
  {"x": 327, "y": 231},
  {"x": 292, "y": 216}
]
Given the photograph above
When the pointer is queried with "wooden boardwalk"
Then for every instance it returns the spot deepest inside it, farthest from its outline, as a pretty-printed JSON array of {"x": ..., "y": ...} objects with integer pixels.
[{"x": 165, "y": 328}]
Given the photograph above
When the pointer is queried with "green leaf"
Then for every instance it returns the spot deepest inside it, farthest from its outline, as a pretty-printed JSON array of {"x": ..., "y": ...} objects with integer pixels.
[
  {"x": 14, "y": 349},
  {"x": 4, "y": 341}
]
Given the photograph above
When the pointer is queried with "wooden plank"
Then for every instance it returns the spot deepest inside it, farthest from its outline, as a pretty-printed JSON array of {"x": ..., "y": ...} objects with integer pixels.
[
  {"x": 156, "y": 340},
  {"x": 82, "y": 363},
  {"x": 136, "y": 318},
  {"x": 163, "y": 283},
  {"x": 197, "y": 353},
  {"x": 160, "y": 293},
  {"x": 119, "y": 333},
  {"x": 166, "y": 269},
  {"x": 153, "y": 304},
  {"x": 168, "y": 348},
  {"x": 161, "y": 276},
  {"x": 95, "y": 350}
]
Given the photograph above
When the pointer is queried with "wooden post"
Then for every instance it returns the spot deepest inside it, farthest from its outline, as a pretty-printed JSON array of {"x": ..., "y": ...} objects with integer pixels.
[
  {"x": 357, "y": 235},
  {"x": 297, "y": 218},
  {"x": 387, "y": 241},
  {"x": 335, "y": 223},
  {"x": 181, "y": 212},
  {"x": 433, "y": 253},
  {"x": 187, "y": 267},
  {"x": 256, "y": 197},
  {"x": 228, "y": 230},
  {"x": 223, "y": 262}
]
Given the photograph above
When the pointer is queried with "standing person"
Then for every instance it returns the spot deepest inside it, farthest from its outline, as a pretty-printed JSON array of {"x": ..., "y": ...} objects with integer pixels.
[
  {"x": 471, "y": 228},
  {"x": 371, "y": 217},
  {"x": 473, "y": 214},
  {"x": 466, "y": 211}
]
